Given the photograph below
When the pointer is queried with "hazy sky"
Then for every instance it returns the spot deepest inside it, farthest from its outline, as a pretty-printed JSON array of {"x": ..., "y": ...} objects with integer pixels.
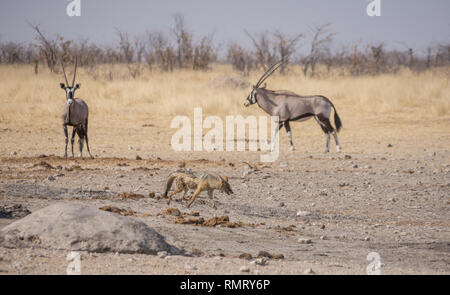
[{"x": 414, "y": 22}]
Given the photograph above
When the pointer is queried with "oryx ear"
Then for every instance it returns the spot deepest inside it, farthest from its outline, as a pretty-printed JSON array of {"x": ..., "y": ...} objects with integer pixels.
[
  {"x": 62, "y": 85},
  {"x": 78, "y": 86}
]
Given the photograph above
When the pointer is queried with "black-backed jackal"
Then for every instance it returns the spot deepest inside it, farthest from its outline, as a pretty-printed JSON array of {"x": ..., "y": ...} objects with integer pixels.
[{"x": 186, "y": 180}]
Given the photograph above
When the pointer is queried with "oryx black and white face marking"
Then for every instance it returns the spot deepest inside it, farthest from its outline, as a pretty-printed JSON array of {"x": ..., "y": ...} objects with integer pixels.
[
  {"x": 251, "y": 98},
  {"x": 70, "y": 92}
]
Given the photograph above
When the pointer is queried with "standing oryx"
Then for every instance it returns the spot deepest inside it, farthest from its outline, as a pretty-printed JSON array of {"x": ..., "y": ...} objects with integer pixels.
[
  {"x": 289, "y": 106},
  {"x": 75, "y": 113}
]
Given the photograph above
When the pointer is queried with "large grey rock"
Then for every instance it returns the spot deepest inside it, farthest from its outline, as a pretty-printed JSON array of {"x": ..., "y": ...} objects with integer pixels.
[{"x": 78, "y": 227}]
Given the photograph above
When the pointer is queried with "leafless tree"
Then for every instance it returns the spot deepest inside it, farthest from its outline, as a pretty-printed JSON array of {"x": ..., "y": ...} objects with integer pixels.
[
  {"x": 265, "y": 54},
  {"x": 240, "y": 58},
  {"x": 129, "y": 53},
  {"x": 48, "y": 47},
  {"x": 285, "y": 46},
  {"x": 183, "y": 38},
  {"x": 203, "y": 53},
  {"x": 321, "y": 39}
]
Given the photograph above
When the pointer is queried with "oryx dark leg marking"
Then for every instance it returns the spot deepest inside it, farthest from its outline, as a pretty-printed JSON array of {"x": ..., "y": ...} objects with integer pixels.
[
  {"x": 86, "y": 135},
  {"x": 288, "y": 130},
  {"x": 72, "y": 139},
  {"x": 81, "y": 134},
  {"x": 327, "y": 129},
  {"x": 275, "y": 134},
  {"x": 67, "y": 139}
]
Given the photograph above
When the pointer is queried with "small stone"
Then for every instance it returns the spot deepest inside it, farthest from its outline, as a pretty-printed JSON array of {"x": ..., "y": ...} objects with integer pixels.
[
  {"x": 264, "y": 254},
  {"x": 282, "y": 204},
  {"x": 14, "y": 153},
  {"x": 355, "y": 166},
  {"x": 189, "y": 267},
  {"x": 244, "y": 269},
  {"x": 51, "y": 178},
  {"x": 162, "y": 254},
  {"x": 390, "y": 145},
  {"x": 367, "y": 239},
  {"x": 138, "y": 157},
  {"x": 304, "y": 241},
  {"x": 247, "y": 256},
  {"x": 309, "y": 271},
  {"x": 260, "y": 261},
  {"x": 277, "y": 256},
  {"x": 323, "y": 237},
  {"x": 303, "y": 213}
]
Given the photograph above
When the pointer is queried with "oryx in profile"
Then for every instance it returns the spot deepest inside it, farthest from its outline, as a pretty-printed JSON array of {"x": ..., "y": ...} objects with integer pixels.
[
  {"x": 289, "y": 106},
  {"x": 75, "y": 113}
]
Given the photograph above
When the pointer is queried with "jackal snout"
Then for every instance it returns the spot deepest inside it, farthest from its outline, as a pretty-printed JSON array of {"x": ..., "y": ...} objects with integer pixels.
[{"x": 226, "y": 188}]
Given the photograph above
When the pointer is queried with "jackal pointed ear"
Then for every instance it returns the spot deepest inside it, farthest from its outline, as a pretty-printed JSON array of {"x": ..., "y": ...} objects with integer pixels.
[
  {"x": 78, "y": 86},
  {"x": 225, "y": 178},
  {"x": 62, "y": 85}
]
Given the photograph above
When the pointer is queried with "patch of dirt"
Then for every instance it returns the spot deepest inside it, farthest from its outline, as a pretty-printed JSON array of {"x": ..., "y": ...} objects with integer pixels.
[
  {"x": 14, "y": 211},
  {"x": 124, "y": 212},
  {"x": 44, "y": 165},
  {"x": 129, "y": 196},
  {"x": 117, "y": 210},
  {"x": 223, "y": 221}
]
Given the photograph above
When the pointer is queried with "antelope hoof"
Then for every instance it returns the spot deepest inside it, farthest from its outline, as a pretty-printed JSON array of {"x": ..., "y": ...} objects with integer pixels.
[
  {"x": 338, "y": 149},
  {"x": 292, "y": 148},
  {"x": 327, "y": 151}
]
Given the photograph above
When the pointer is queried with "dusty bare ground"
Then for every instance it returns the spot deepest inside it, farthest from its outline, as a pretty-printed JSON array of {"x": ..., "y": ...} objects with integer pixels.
[{"x": 387, "y": 192}]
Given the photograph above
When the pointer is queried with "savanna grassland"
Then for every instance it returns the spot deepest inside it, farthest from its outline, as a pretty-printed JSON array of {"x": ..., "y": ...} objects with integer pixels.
[{"x": 387, "y": 192}]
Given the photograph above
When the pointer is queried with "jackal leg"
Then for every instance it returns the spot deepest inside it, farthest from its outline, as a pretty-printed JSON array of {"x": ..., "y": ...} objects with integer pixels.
[
  {"x": 183, "y": 197},
  {"x": 178, "y": 190},
  {"x": 196, "y": 193},
  {"x": 210, "y": 194}
]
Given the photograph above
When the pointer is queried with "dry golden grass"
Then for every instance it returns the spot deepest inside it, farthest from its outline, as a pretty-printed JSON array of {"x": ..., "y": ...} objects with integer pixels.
[
  {"x": 409, "y": 109},
  {"x": 26, "y": 97}
]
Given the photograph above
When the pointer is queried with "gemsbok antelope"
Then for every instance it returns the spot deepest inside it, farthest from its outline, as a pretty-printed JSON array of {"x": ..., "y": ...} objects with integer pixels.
[
  {"x": 289, "y": 106},
  {"x": 75, "y": 113}
]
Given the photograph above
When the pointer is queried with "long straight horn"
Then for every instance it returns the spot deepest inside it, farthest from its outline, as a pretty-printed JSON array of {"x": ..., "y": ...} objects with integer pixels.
[
  {"x": 64, "y": 71},
  {"x": 268, "y": 73},
  {"x": 75, "y": 71}
]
